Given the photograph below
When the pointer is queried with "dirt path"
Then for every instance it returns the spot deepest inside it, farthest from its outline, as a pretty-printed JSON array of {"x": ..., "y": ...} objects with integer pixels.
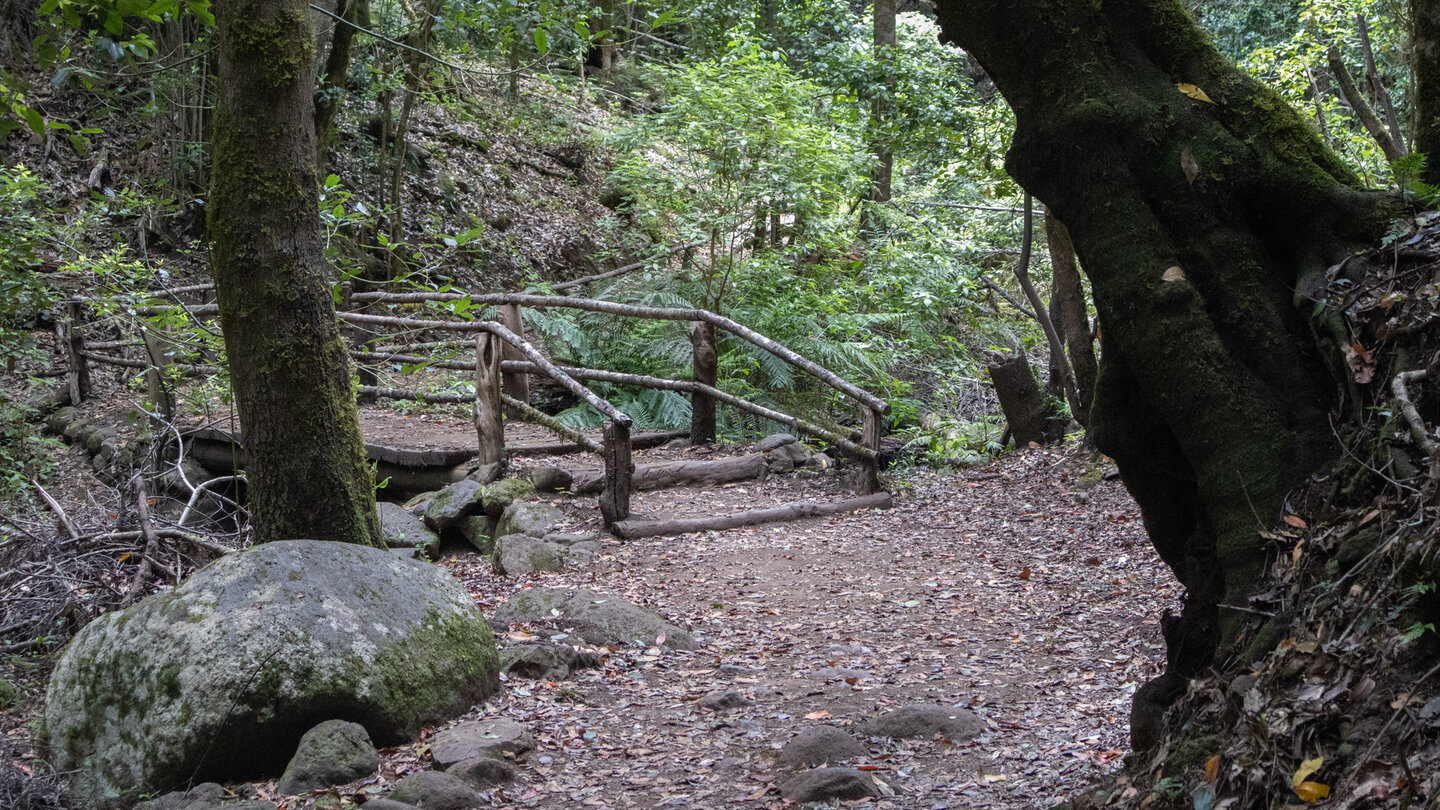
[{"x": 1005, "y": 589}]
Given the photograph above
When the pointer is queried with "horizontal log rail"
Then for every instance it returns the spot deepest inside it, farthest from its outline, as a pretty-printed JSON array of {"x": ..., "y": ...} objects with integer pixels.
[{"x": 821, "y": 373}]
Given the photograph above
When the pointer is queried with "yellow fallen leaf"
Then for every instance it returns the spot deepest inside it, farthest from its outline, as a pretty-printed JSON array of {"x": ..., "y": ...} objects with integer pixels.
[
  {"x": 1212, "y": 769},
  {"x": 1312, "y": 791},
  {"x": 1193, "y": 92},
  {"x": 1307, "y": 768},
  {"x": 1173, "y": 274},
  {"x": 995, "y": 777},
  {"x": 820, "y": 715}
]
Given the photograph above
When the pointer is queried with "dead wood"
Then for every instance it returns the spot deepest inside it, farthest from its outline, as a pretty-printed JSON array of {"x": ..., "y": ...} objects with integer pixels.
[
  {"x": 631, "y": 529},
  {"x": 681, "y": 473}
]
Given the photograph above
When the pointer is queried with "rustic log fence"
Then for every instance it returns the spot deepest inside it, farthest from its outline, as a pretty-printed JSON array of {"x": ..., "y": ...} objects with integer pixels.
[{"x": 504, "y": 362}]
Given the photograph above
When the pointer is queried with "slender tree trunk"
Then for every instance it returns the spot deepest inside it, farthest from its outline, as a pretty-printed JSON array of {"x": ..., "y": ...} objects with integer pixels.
[
  {"x": 1042, "y": 315},
  {"x": 1425, "y": 45},
  {"x": 1071, "y": 318},
  {"x": 607, "y": 40},
  {"x": 337, "y": 67},
  {"x": 308, "y": 475},
  {"x": 1205, "y": 227},
  {"x": 880, "y": 112},
  {"x": 1377, "y": 86},
  {"x": 1356, "y": 99}
]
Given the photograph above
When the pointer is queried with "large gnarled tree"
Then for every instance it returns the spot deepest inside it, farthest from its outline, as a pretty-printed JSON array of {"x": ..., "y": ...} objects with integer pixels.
[
  {"x": 1205, "y": 212},
  {"x": 308, "y": 475}
]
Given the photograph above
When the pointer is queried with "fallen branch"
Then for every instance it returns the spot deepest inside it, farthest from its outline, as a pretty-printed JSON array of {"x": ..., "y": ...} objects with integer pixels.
[
  {"x": 620, "y": 271},
  {"x": 532, "y": 414},
  {"x": 680, "y": 473},
  {"x": 1399, "y": 386},
  {"x": 142, "y": 571},
  {"x": 631, "y": 529},
  {"x": 59, "y": 512}
]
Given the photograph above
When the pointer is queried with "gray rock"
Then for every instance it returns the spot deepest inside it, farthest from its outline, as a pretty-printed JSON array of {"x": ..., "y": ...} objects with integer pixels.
[
  {"x": 573, "y": 539},
  {"x": 410, "y": 554},
  {"x": 499, "y": 495},
  {"x": 486, "y": 473},
  {"x": 223, "y": 672},
  {"x": 550, "y": 662},
  {"x": 595, "y": 618},
  {"x": 332, "y": 753},
  {"x": 480, "y": 531},
  {"x": 779, "y": 463},
  {"x": 59, "y": 420},
  {"x": 551, "y": 479},
  {"x": 98, "y": 437},
  {"x": 820, "y": 461},
  {"x": 435, "y": 790},
  {"x": 402, "y": 529},
  {"x": 824, "y": 784},
  {"x": 518, "y": 554},
  {"x": 775, "y": 440},
  {"x": 925, "y": 721},
  {"x": 203, "y": 795},
  {"x": 387, "y": 804},
  {"x": 460, "y": 499},
  {"x": 720, "y": 701},
  {"x": 492, "y": 737},
  {"x": 534, "y": 519},
  {"x": 483, "y": 771},
  {"x": 796, "y": 452},
  {"x": 818, "y": 746},
  {"x": 419, "y": 502}
]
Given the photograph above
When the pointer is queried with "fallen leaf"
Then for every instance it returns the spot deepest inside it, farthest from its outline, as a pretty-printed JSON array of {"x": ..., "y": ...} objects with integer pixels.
[
  {"x": 660, "y": 639},
  {"x": 1305, "y": 770},
  {"x": 1193, "y": 92},
  {"x": 1026, "y": 573},
  {"x": 1212, "y": 769},
  {"x": 1189, "y": 165},
  {"x": 1312, "y": 791},
  {"x": 820, "y": 715},
  {"x": 1173, "y": 274},
  {"x": 1295, "y": 521}
]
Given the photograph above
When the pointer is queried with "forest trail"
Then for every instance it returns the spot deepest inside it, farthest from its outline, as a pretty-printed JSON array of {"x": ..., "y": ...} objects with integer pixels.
[{"x": 1016, "y": 590}]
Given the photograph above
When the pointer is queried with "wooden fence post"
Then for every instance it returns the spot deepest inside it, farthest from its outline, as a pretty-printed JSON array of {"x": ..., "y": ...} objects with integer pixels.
[
  {"x": 869, "y": 478},
  {"x": 160, "y": 352},
  {"x": 488, "y": 425},
  {"x": 706, "y": 372},
  {"x": 517, "y": 384},
  {"x": 79, "y": 371},
  {"x": 619, "y": 472},
  {"x": 358, "y": 337}
]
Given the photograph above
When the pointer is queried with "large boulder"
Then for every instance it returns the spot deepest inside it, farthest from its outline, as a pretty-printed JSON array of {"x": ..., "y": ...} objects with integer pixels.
[
  {"x": 499, "y": 495},
  {"x": 460, "y": 499},
  {"x": 219, "y": 678},
  {"x": 924, "y": 721},
  {"x": 520, "y": 554},
  {"x": 595, "y": 618}
]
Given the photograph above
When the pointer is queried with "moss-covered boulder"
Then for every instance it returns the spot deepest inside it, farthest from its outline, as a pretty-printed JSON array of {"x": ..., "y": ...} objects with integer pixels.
[
  {"x": 452, "y": 503},
  {"x": 403, "y": 529},
  {"x": 529, "y": 517},
  {"x": 219, "y": 678},
  {"x": 520, "y": 554},
  {"x": 499, "y": 495}
]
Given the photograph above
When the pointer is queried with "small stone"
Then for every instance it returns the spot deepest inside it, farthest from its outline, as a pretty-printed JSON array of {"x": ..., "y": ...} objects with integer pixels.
[
  {"x": 534, "y": 519},
  {"x": 332, "y": 753},
  {"x": 517, "y": 555},
  {"x": 551, "y": 479},
  {"x": 460, "y": 499},
  {"x": 779, "y": 463},
  {"x": 727, "y": 699},
  {"x": 482, "y": 772},
  {"x": 820, "y": 461},
  {"x": 775, "y": 441},
  {"x": 569, "y": 539},
  {"x": 925, "y": 721},
  {"x": 387, "y": 804},
  {"x": 818, "y": 746},
  {"x": 499, "y": 495},
  {"x": 435, "y": 790},
  {"x": 480, "y": 531},
  {"x": 823, "y": 784},
  {"x": 475, "y": 738},
  {"x": 402, "y": 529},
  {"x": 550, "y": 662}
]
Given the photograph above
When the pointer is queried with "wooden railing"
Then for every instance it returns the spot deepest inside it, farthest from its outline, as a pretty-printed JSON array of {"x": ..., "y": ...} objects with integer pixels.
[{"x": 504, "y": 361}]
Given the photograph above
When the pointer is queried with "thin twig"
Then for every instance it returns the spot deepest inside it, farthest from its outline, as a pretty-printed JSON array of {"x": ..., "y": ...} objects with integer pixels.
[{"x": 59, "y": 512}]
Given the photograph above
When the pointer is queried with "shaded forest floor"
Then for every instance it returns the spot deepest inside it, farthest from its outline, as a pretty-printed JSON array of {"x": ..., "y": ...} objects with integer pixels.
[{"x": 1025, "y": 590}]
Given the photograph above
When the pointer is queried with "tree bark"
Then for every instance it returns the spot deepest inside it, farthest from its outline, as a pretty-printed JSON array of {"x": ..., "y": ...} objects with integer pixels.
[
  {"x": 632, "y": 529},
  {"x": 1071, "y": 318},
  {"x": 1367, "y": 115},
  {"x": 884, "y": 42},
  {"x": 1042, "y": 315},
  {"x": 1031, "y": 414},
  {"x": 1425, "y": 44},
  {"x": 1212, "y": 394},
  {"x": 706, "y": 371},
  {"x": 289, "y": 368},
  {"x": 647, "y": 477},
  {"x": 332, "y": 83}
]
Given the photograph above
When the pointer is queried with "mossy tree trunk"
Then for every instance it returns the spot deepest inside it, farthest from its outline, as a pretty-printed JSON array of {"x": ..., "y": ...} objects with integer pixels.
[
  {"x": 308, "y": 474},
  {"x": 1425, "y": 44},
  {"x": 1196, "y": 220}
]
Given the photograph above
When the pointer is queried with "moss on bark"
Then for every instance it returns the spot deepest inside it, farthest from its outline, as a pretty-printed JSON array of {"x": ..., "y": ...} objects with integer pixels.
[
  {"x": 1212, "y": 395},
  {"x": 309, "y": 477}
]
